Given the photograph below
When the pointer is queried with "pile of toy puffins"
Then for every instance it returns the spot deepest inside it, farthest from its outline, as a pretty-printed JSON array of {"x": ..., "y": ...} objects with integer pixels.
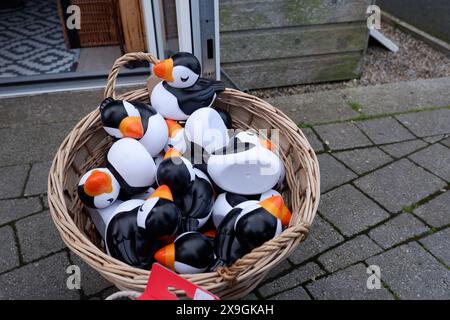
[{"x": 178, "y": 188}]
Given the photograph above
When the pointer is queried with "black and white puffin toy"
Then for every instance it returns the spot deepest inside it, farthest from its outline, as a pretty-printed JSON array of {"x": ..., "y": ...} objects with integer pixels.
[
  {"x": 131, "y": 165},
  {"x": 98, "y": 188},
  {"x": 245, "y": 166},
  {"x": 137, "y": 120},
  {"x": 261, "y": 222},
  {"x": 226, "y": 246},
  {"x": 191, "y": 252},
  {"x": 158, "y": 217},
  {"x": 176, "y": 172},
  {"x": 183, "y": 91},
  {"x": 196, "y": 205},
  {"x": 123, "y": 239}
]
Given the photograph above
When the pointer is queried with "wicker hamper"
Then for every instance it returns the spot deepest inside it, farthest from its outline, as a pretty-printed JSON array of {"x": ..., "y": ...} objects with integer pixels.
[{"x": 85, "y": 147}]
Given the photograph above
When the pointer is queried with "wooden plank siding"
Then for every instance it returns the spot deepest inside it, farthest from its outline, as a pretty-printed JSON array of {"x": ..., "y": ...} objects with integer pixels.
[{"x": 268, "y": 43}]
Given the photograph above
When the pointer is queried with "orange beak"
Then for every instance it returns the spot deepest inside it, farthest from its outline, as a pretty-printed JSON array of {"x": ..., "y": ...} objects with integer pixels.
[
  {"x": 163, "y": 192},
  {"x": 166, "y": 256},
  {"x": 98, "y": 183},
  {"x": 172, "y": 152},
  {"x": 285, "y": 216},
  {"x": 266, "y": 143},
  {"x": 210, "y": 233},
  {"x": 275, "y": 206},
  {"x": 164, "y": 70},
  {"x": 131, "y": 127},
  {"x": 173, "y": 126}
]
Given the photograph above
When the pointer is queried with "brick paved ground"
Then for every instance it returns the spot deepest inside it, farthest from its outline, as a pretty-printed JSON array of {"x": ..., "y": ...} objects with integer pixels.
[{"x": 385, "y": 182}]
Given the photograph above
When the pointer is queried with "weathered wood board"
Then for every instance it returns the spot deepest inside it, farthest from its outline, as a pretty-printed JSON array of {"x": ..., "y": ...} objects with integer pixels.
[
  {"x": 288, "y": 71},
  {"x": 259, "y": 14},
  {"x": 268, "y": 43},
  {"x": 292, "y": 42}
]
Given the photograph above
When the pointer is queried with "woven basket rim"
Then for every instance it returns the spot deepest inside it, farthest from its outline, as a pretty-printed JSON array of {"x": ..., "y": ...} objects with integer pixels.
[{"x": 248, "y": 270}]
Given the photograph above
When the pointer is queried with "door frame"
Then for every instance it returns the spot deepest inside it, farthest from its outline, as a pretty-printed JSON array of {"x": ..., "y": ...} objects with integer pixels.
[{"x": 193, "y": 33}]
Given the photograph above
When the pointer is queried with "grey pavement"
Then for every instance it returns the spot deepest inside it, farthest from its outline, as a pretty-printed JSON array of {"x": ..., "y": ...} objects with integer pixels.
[{"x": 385, "y": 176}]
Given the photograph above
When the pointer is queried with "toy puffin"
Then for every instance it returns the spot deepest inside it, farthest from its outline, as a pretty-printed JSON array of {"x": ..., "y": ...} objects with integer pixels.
[
  {"x": 123, "y": 119},
  {"x": 226, "y": 245},
  {"x": 158, "y": 217},
  {"x": 227, "y": 201},
  {"x": 260, "y": 222},
  {"x": 191, "y": 252},
  {"x": 123, "y": 239},
  {"x": 197, "y": 203},
  {"x": 176, "y": 172},
  {"x": 183, "y": 91},
  {"x": 245, "y": 166},
  {"x": 131, "y": 165},
  {"x": 98, "y": 188}
]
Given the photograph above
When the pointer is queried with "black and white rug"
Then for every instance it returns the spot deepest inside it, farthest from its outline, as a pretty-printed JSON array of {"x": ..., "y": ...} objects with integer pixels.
[{"x": 32, "y": 41}]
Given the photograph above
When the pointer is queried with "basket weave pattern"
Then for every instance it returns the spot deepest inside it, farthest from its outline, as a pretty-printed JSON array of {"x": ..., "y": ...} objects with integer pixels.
[{"x": 85, "y": 148}]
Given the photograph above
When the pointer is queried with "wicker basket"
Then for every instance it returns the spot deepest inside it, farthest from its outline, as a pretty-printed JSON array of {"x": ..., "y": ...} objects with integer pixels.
[{"x": 84, "y": 148}]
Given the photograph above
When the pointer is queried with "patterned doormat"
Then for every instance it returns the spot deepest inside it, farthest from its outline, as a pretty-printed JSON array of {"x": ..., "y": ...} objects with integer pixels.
[{"x": 32, "y": 41}]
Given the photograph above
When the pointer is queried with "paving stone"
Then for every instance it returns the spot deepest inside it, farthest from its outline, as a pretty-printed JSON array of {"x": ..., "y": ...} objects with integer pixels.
[
  {"x": 438, "y": 244},
  {"x": 428, "y": 123},
  {"x": 435, "y": 212},
  {"x": 42, "y": 280},
  {"x": 45, "y": 201},
  {"x": 303, "y": 108},
  {"x": 279, "y": 269},
  {"x": 384, "y": 130},
  {"x": 8, "y": 249},
  {"x": 321, "y": 237},
  {"x": 342, "y": 136},
  {"x": 250, "y": 297},
  {"x": 14, "y": 180},
  {"x": 49, "y": 107},
  {"x": 38, "y": 236},
  {"x": 350, "y": 210},
  {"x": 28, "y": 144},
  {"x": 350, "y": 252},
  {"x": 347, "y": 284},
  {"x": 91, "y": 281},
  {"x": 399, "y": 184},
  {"x": 14, "y": 209},
  {"x": 446, "y": 142},
  {"x": 401, "y": 96},
  {"x": 314, "y": 141},
  {"x": 398, "y": 150},
  {"x": 363, "y": 160},
  {"x": 434, "y": 139},
  {"x": 294, "y": 294},
  {"x": 398, "y": 229},
  {"x": 296, "y": 277},
  {"x": 435, "y": 158},
  {"x": 332, "y": 172},
  {"x": 413, "y": 273},
  {"x": 37, "y": 181}
]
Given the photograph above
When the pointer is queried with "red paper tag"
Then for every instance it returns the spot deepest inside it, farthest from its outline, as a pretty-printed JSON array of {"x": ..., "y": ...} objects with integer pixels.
[{"x": 162, "y": 278}]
